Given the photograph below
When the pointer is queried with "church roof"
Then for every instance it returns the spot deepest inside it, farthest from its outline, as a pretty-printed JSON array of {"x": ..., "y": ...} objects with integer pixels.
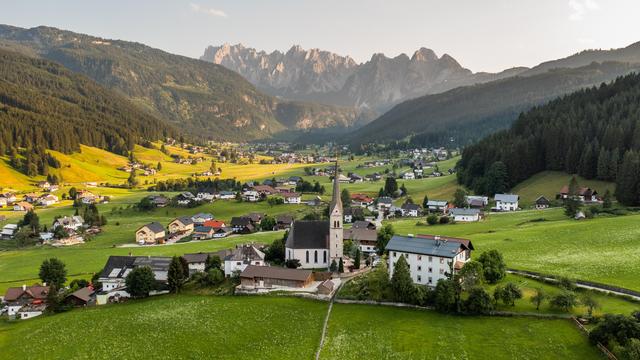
[{"x": 309, "y": 234}]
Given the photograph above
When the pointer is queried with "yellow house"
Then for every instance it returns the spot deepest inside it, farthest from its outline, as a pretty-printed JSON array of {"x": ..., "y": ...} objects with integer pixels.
[
  {"x": 183, "y": 224},
  {"x": 152, "y": 233}
]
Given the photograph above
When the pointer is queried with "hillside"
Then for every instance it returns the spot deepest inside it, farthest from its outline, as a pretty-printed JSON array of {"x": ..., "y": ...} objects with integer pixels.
[
  {"x": 322, "y": 76},
  {"x": 44, "y": 105},
  {"x": 593, "y": 132},
  {"x": 201, "y": 98},
  {"x": 465, "y": 114}
]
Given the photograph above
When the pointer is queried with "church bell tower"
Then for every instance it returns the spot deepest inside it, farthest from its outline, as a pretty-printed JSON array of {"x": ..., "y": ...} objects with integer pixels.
[{"x": 336, "y": 217}]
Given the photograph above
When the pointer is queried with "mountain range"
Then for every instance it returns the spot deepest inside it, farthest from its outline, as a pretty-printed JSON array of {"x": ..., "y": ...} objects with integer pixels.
[
  {"x": 198, "y": 98},
  {"x": 325, "y": 77}
]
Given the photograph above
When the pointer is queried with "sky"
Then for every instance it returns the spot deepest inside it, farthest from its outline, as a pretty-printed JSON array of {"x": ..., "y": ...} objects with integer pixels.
[{"x": 483, "y": 35}]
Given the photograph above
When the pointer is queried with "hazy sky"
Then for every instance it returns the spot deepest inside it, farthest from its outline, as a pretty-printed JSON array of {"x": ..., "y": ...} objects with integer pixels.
[{"x": 483, "y": 35}]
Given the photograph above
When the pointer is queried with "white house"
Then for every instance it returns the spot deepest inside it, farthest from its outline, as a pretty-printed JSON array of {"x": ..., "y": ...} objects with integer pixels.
[
  {"x": 8, "y": 231},
  {"x": 409, "y": 175},
  {"x": 251, "y": 196},
  {"x": 69, "y": 222},
  {"x": 205, "y": 196},
  {"x": 47, "y": 200},
  {"x": 114, "y": 274},
  {"x": 430, "y": 257},
  {"x": 201, "y": 218},
  {"x": 465, "y": 215},
  {"x": 411, "y": 210},
  {"x": 292, "y": 198},
  {"x": 384, "y": 203},
  {"x": 227, "y": 195},
  {"x": 506, "y": 202},
  {"x": 437, "y": 206},
  {"x": 196, "y": 262},
  {"x": 241, "y": 257}
]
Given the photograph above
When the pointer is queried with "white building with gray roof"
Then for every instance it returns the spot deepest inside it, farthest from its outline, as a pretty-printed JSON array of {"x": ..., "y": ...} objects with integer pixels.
[{"x": 506, "y": 202}]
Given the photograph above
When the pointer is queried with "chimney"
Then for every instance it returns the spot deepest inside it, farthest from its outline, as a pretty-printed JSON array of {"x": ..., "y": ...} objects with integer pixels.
[
  {"x": 24, "y": 287},
  {"x": 44, "y": 284}
]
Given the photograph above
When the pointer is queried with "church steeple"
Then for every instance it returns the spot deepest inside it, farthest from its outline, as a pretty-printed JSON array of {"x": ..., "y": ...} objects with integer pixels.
[{"x": 336, "y": 217}]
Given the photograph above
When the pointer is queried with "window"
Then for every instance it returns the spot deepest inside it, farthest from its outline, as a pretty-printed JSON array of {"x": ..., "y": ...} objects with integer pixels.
[
  {"x": 430, "y": 280},
  {"x": 441, "y": 261},
  {"x": 419, "y": 278},
  {"x": 430, "y": 269},
  {"x": 419, "y": 268},
  {"x": 239, "y": 263},
  {"x": 441, "y": 271},
  {"x": 307, "y": 256},
  {"x": 315, "y": 256},
  {"x": 395, "y": 254},
  {"x": 419, "y": 257},
  {"x": 325, "y": 256},
  {"x": 430, "y": 259}
]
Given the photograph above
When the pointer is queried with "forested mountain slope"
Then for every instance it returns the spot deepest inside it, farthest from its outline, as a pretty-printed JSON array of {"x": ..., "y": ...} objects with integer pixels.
[
  {"x": 195, "y": 96},
  {"x": 45, "y": 106},
  {"x": 467, "y": 114},
  {"x": 593, "y": 132}
]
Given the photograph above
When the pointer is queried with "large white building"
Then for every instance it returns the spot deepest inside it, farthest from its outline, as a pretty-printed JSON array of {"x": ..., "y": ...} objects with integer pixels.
[
  {"x": 316, "y": 243},
  {"x": 241, "y": 257},
  {"x": 506, "y": 202},
  {"x": 430, "y": 257}
]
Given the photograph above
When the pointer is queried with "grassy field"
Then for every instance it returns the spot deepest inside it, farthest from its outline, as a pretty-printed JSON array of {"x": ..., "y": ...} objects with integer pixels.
[
  {"x": 549, "y": 183},
  {"x": 195, "y": 327},
  {"x": 604, "y": 249},
  {"x": 191, "y": 327},
  {"x": 370, "y": 332}
]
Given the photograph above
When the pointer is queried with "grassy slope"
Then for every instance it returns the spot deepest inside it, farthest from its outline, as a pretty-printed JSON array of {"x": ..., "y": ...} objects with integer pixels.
[
  {"x": 194, "y": 327},
  {"x": 589, "y": 250},
  {"x": 360, "y": 332},
  {"x": 549, "y": 183}
]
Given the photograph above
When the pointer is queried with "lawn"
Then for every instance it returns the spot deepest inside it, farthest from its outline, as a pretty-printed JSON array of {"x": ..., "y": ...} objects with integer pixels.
[
  {"x": 603, "y": 249},
  {"x": 185, "y": 326},
  {"x": 376, "y": 332}
]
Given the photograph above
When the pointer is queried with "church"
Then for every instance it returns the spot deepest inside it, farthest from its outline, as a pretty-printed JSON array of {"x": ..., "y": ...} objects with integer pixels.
[{"x": 316, "y": 243}]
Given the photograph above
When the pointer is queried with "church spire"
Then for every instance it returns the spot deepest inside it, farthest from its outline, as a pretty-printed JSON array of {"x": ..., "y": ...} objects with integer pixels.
[{"x": 336, "y": 201}]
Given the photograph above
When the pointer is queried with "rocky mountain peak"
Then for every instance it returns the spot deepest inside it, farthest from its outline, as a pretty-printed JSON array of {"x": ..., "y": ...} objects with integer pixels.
[{"x": 424, "y": 55}]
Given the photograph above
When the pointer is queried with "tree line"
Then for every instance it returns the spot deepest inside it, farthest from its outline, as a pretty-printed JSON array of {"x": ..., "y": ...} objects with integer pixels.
[{"x": 594, "y": 133}]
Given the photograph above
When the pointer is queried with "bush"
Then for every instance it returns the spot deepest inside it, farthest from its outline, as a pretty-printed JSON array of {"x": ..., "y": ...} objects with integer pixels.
[
  {"x": 478, "y": 302},
  {"x": 140, "y": 282},
  {"x": 432, "y": 219},
  {"x": 444, "y": 220}
]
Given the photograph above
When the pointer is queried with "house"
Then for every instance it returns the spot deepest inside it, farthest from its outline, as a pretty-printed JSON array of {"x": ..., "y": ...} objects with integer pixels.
[
  {"x": 384, "y": 203},
  {"x": 31, "y": 198},
  {"x": 373, "y": 177},
  {"x": 81, "y": 297},
  {"x": 430, "y": 257},
  {"x": 47, "y": 200},
  {"x": 241, "y": 257},
  {"x": 222, "y": 232},
  {"x": 283, "y": 222},
  {"x": 255, "y": 217},
  {"x": 418, "y": 171},
  {"x": 264, "y": 190},
  {"x": 584, "y": 194},
  {"x": 477, "y": 202},
  {"x": 365, "y": 238},
  {"x": 437, "y": 206},
  {"x": 201, "y": 218},
  {"x": 409, "y": 175},
  {"x": 227, "y": 195},
  {"x": 317, "y": 243},
  {"x": 361, "y": 200},
  {"x": 69, "y": 223},
  {"x": 542, "y": 203},
  {"x": 26, "y": 301},
  {"x": 465, "y": 215},
  {"x": 8, "y": 231},
  {"x": 3, "y": 202},
  {"x": 185, "y": 198},
  {"x": 362, "y": 224},
  {"x": 343, "y": 179},
  {"x": 506, "y": 202},
  {"x": 196, "y": 262},
  {"x": 114, "y": 274},
  {"x": 216, "y": 224},
  {"x": 355, "y": 178},
  {"x": 411, "y": 210},
  {"x": 242, "y": 225},
  {"x": 251, "y": 196},
  {"x": 206, "y": 195},
  {"x": 22, "y": 206},
  {"x": 46, "y": 236},
  {"x": 159, "y": 201},
  {"x": 203, "y": 232},
  {"x": 353, "y": 214},
  {"x": 152, "y": 233},
  {"x": 44, "y": 185},
  {"x": 182, "y": 225},
  {"x": 255, "y": 277},
  {"x": 10, "y": 197},
  {"x": 292, "y": 198}
]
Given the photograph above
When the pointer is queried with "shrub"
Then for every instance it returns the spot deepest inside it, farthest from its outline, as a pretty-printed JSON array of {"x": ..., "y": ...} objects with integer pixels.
[
  {"x": 432, "y": 219},
  {"x": 478, "y": 302},
  {"x": 444, "y": 220}
]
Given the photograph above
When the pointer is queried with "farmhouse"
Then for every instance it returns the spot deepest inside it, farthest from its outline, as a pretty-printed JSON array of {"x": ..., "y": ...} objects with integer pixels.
[
  {"x": 114, "y": 274},
  {"x": 542, "y": 203},
  {"x": 201, "y": 218},
  {"x": 292, "y": 198},
  {"x": 584, "y": 194},
  {"x": 26, "y": 301},
  {"x": 316, "y": 243},
  {"x": 437, "y": 206},
  {"x": 182, "y": 225},
  {"x": 241, "y": 257},
  {"x": 69, "y": 223},
  {"x": 203, "y": 232},
  {"x": 242, "y": 225},
  {"x": 47, "y": 200},
  {"x": 8, "y": 231},
  {"x": 352, "y": 214},
  {"x": 362, "y": 224},
  {"x": 81, "y": 297},
  {"x": 411, "y": 210},
  {"x": 253, "y": 277},
  {"x": 159, "y": 200},
  {"x": 3, "y": 201},
  {"x": 251, "y": 196},
  {"x": 506, "y": 202},
  {"x": 384, "y": 203},
  {"x": 196, "y": 262},
  {"x": 185, "y": 198},
  {"x": 283, "y": 222},
  {"x": 365, "y": 238},
  {"x": 227, "y": 195},
  {"x": 152, "y": 233},
  {"x": 361, "y": 200},
  {"x": 409, "y": 175},
  {"x": 465, "y": 215},
  {"x": 477, "y": 202},
  {"x": 22, "y": 206},
  {"x": 430, "y": 257},
  {"x": 206, "y": 195}
]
